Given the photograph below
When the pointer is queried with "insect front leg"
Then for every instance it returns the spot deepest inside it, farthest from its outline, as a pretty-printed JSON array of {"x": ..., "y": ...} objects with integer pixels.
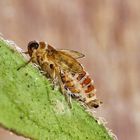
[{"x": 22, "y": 66}]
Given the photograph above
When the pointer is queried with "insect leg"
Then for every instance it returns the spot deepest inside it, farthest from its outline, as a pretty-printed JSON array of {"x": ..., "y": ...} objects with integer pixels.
[
  {"x": 49, "y": 72},
  {"x": 25, "y": 64},
  {"x": 26, "y": 52},
  {"x": 55, "y": 74},
  {"x": 52, "y": 74},
  {"x": 63, "y": 90}
]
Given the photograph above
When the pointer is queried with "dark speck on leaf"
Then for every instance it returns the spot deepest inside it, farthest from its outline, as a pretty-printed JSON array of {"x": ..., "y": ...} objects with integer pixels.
[
  {"x": 12, "y": 50},
  {"x": 21, "y": 117},
  {"x": 26, "y": 74}
]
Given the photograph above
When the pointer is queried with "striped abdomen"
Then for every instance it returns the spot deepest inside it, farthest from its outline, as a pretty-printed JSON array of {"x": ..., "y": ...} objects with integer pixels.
[{"x": 81, "y": 86}]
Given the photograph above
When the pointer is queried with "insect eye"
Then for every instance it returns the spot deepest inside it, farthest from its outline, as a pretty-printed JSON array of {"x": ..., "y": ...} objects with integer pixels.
[{"x": 33, "y": 45}]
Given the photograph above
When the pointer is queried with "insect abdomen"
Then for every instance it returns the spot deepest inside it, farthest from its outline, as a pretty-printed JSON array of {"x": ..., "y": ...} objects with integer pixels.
[
  {"x": 81, "y": 86},
  {"x": 89, "y": 90},
  {"x": 69, "y": 84},
  {"x": 86, "y": 83}
]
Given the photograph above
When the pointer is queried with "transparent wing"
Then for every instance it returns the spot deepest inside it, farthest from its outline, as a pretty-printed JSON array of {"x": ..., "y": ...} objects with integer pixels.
[
  {"x": 73, "y": 53},
  {"x": 64, "y": 60}
]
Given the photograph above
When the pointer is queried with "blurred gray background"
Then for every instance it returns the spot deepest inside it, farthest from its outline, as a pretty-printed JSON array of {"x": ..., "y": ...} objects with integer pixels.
[{"x": 106, "y": 31}]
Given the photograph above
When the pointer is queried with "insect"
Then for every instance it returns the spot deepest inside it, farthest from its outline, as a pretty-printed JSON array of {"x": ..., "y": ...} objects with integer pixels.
[{"x": 63, "y": 66}]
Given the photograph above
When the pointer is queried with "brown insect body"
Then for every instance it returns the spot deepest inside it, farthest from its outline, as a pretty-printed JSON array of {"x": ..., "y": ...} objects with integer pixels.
[{"x": 62, "y": 64}]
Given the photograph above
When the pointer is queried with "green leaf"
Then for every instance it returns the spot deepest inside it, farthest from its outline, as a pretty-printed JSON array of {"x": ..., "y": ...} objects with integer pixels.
[{"x": 31, "y": 108}]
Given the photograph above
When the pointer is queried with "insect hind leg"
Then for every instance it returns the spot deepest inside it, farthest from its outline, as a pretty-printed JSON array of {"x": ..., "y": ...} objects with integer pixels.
[
  {"x": 65, "y": 93},
  {"x": 63, "y": 88}
]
